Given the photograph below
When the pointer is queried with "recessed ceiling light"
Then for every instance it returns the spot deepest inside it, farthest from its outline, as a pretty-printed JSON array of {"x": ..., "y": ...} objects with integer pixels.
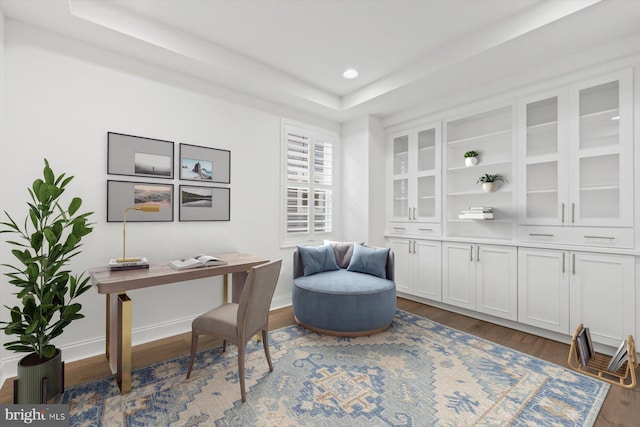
[{"x": 350, "y": 74}]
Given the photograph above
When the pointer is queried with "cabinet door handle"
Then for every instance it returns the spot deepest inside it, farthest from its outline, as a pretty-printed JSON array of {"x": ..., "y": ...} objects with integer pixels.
[
  {"x": 573, "y": 263},
  {"x": 600, "y": 237},
  {"x": 478, "y": 253},
  {"x": 564, "y": 254},
  {"x": 425, "y": 229},
  {"x": 399, "y": 228},
  {"x": 540, "y": 235},
  {"x": 471, "y": 252},
  {"x": 409, "y": 246},
  {"x": 563, "y": 213},
  {"x": 414, "y": 212},
  {"x": 573, "y": 213}
]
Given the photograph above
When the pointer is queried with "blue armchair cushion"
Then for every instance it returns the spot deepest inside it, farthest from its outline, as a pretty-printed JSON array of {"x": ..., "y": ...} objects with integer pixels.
[
  {"x": 316, "y": 259},
  {"x": 371, "y": 261}
]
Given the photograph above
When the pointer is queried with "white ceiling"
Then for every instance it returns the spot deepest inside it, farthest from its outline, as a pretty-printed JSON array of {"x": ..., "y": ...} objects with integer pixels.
[{"x": 293, "y": 52}]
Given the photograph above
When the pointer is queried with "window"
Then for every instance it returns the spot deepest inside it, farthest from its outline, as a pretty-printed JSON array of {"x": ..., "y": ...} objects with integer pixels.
[{"x": 308, "y": 185}]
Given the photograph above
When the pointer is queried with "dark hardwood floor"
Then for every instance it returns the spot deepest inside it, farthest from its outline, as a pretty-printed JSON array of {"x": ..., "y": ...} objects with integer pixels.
[{"x": 621, "y": 406}]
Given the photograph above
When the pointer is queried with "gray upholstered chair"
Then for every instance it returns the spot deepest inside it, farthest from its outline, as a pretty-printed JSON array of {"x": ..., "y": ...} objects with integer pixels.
[{"x": 238, "y": 322}]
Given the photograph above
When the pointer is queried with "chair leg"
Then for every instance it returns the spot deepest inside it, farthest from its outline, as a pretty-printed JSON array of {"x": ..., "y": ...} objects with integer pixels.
[
  {"x": 224, "y": 345},
  {"x": 265, "y": 345},
  {"x": 241, "y": 349},
  {"x": 194, "y": 344}
]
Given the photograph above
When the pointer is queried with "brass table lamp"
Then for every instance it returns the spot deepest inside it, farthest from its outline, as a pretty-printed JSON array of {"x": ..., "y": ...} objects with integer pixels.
[{"x": 144, "y": 208}]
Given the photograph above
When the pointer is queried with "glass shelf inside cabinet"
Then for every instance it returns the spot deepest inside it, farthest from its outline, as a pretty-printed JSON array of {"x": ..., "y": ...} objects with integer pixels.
[
  {"x": 426, "y": 150},
  {"x": 401, "y": 155},
  {"x": 599, "y": 116},
  {"x": 542, "y": 127}
]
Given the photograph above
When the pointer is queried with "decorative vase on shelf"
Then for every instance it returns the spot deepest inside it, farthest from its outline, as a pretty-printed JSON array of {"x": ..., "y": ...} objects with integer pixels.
[
  {"x": 470, "y": 161},
  {"x": 489, "y": 186}
]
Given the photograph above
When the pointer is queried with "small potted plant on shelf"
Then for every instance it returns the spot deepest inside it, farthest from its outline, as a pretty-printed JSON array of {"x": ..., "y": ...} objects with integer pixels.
[
  {"x": 489, "y": 182},
  {"x": 45, "y": 242},
  {"x": 471, "y": 158}
]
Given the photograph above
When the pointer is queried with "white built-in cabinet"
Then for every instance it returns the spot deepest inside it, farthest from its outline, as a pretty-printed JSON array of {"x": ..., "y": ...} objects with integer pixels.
[
  {"x": 415, "y": 157},
  {"x": 576, "y": 163},
  {"x": 558, "y": 290},
  {"x": 417, "y": 267},
  {"x": 480, "y": 277},
  {"x": 567, "y": 157}
]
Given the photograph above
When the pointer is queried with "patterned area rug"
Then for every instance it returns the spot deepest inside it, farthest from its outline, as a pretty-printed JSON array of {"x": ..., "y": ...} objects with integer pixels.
[{"x": 417, "y": 373}]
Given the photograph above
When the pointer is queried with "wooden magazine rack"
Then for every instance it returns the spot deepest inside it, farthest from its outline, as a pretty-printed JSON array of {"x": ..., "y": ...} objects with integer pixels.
[{"x": 597, "y": 366}]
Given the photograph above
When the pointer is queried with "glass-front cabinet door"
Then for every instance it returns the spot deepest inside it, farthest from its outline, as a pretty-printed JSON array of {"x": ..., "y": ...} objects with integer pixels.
[
  {"x": 428, "y": 175},
  {"x": 400, "y": 148},
  {"x": 601, "y": 151},
  {"x": 415, "y": 175},
  {"x": 542, "y": 165},
  {"x": 576, "y": 154}
]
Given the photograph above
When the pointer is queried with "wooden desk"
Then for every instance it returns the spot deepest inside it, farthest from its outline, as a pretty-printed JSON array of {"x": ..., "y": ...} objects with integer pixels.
[{"x": 115, "y": 284}]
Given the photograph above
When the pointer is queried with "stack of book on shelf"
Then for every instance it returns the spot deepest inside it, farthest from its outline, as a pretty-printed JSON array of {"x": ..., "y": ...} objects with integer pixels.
[
  {"x": 114, "y": 265},
  {"x": 477, "y": 212}
]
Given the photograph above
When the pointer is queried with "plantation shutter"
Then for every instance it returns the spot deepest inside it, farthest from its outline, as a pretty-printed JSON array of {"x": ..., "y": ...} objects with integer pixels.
[{"x": 309, "y": 180}]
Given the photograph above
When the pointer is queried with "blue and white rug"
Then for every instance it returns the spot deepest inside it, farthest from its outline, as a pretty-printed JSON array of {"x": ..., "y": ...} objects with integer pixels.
[{"x": 417, "y": 373}]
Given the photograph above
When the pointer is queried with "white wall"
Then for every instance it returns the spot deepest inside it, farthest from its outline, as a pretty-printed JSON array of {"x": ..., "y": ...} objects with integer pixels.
[
  {"x": 61, "y": 98},
  {"x": 355, "y": 173},
  {"x": 363, "y": 167}
]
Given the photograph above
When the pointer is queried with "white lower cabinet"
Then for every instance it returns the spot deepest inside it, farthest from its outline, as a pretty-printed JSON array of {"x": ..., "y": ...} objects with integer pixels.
[
  {"x": 602, "y": 295},
  {"x": 558, "y": 290},
  {"x": 417, "y": 267},
  {"x": 480, "y": 277},
  {"x": 543, "y": 289}
]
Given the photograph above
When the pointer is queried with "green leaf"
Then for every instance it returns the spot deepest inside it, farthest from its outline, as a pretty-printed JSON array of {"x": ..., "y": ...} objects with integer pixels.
[
  {"x": 48, "y": 351},
  {"x": 49, "y": 177},
  {"x": 52, "y": 238},
  {"x": 36, "y": 241},
  {"x": 75, "y": 205},
  {"x": 44, "y": 194},
  {"x": 32, "y": 326}
]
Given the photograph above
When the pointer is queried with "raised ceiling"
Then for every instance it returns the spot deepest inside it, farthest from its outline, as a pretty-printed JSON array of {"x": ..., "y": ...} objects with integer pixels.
[{"x": 293, "y": 52}]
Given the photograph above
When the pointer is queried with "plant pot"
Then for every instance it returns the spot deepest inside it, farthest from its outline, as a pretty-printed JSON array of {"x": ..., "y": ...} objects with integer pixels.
[
  {"x": 489, "y": 186},
  {"x": 470, "y": 161},
  {"x": 31, "y": 372}
]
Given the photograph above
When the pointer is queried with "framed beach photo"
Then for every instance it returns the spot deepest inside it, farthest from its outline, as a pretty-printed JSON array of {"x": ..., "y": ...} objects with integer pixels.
[
  {"x": 205, "y": 164},
  {"x": 122, "y": 195},
  {"x": 204, "y": 203},
  {"x": 138, "y": 156}
]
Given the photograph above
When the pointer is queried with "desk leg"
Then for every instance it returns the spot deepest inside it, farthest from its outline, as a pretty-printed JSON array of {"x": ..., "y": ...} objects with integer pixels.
[
  {"x": 119, "y": 339},
  {"x": 108, "y": 329},
  {"x": 225, "y": 289}
]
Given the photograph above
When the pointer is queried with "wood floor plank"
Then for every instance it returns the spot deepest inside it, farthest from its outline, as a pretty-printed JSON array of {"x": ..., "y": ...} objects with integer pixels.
[{"x": 621, "y": 406}]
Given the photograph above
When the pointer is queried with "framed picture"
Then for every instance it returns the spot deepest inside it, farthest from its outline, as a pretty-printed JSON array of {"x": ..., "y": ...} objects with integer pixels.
[
  {"x": 204, "y": 203},
  {"x": 137, "y": 156},
  {"x": 205, "y": 164},
  {"x": 124, "y": 194}
]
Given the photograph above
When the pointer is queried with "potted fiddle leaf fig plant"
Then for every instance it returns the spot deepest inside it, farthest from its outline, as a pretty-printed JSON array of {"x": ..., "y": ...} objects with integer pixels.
[
  {"x": 45, "y": 242},
  {"x": 490, "y": 182}
]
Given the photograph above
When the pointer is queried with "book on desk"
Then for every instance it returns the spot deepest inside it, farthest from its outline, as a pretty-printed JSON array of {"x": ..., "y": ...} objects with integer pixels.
[
  {"x": 196, "y": 262},
  {"x": 115, "y": 265}
]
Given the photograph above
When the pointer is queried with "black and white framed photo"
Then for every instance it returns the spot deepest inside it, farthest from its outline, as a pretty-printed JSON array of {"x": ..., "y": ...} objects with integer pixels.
[
  {"x": 138, "y": 156},
  {"x": 205, "y": 164},
  {"x": 122, "y": 195},
  {"x": 204, "y": 203}
]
